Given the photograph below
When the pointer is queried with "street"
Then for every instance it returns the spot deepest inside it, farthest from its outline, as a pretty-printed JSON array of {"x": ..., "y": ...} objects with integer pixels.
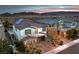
[{"x": 71, "y": 50}]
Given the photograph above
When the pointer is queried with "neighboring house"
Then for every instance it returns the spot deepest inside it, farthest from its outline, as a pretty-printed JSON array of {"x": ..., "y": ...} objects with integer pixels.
[
  {"x": 47, "y": 21},
  {"x": 60, "y": 25},
  {"x": 23, "y": 27},
  {"x": 67, "y": 26},
  {"x": 1, "y": 31}
]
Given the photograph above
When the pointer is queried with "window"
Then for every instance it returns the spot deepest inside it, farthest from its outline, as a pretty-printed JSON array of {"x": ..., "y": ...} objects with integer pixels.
[
  {"x": 28, "y": 31},
  {"x": 44, "y": 29}
]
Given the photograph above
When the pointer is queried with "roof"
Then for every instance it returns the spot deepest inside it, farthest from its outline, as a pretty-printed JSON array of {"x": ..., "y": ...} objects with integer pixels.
[
  {"x": 27, "y": 23},
  {"x": 47, "y": 21},
  {"x": 23, "y": 23},
  {"x": 70, "y": 24},
  {"x": 67, "y": 25}
]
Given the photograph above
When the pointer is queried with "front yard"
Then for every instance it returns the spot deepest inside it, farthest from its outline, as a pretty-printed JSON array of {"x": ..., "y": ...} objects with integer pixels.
[{"x": 46, "y": 45}]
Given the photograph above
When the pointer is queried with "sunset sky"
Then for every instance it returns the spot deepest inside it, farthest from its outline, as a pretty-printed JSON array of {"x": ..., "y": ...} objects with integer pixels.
[{"x": 37, "y": 8}]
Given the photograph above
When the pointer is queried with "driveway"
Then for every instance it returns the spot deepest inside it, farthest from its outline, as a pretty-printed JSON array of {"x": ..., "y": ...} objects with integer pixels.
[{"x": 1, "y": 30}]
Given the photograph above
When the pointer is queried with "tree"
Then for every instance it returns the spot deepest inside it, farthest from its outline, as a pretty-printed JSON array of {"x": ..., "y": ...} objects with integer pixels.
[
  {"x": 4, "y": 46},
  {"x": 73, "y": 33},
  {"x": 32, "y": 48},
  {"x": 20, "y": 46},
  {"x": 6, "y": 24}
]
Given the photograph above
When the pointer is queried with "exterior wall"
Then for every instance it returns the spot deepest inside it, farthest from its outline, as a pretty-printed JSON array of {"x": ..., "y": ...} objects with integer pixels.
[
  {"x": 20, "y": 34},
  {"x": 17, "y": 33},
  {"x": 40, "y": 30}
]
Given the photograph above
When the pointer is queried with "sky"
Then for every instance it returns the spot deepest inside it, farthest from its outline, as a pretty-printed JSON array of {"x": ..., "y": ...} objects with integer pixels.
[{"x": 29, "y": 8}]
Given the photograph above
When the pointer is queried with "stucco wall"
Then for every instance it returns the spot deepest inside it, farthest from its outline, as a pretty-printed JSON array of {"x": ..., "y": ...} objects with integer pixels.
[
  {"x": 17, "y": 33},
  {"x": 40, "y": 29},
  {"x": 20, "y": 34}
]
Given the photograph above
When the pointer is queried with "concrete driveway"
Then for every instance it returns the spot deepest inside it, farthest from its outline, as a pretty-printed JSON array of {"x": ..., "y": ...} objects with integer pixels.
[{"x": 1, "y": 30}]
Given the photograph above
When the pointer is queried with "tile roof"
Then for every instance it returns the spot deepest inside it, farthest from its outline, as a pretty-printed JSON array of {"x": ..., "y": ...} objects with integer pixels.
[
  {"x": 27, "y": 23},
  {"x": 67, "y": 25},
  {"x": 47, "y": 21}
]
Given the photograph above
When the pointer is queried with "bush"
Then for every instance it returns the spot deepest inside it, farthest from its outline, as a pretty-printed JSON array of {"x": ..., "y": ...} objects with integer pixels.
[
  {"x": 4, "y": 47},
  {"x": 20, "y": 46},
  {"x": 61, "y": 43},
  {"x": 73, "y": 33}
]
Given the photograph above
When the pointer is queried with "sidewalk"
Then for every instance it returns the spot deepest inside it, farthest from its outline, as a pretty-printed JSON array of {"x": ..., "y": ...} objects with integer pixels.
[{"x": 60, "y": 48}]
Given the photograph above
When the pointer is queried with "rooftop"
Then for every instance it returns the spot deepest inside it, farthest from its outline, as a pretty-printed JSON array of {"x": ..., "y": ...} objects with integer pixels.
[
  {"x": 67, "y": 24},
  {"x": 47, "y": 21},
  {"x": 23, "y": 23}
]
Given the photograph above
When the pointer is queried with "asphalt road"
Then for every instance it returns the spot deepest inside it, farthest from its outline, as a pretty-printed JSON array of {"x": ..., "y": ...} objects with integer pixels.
[{"x": 71, "y": 50}]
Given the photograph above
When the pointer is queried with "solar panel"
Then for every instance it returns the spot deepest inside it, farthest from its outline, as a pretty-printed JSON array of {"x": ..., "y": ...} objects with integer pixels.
[{"x": 18, "y": 21}]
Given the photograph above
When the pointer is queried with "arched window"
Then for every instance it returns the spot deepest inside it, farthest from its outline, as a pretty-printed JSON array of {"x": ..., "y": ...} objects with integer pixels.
[{"x": 28, "y": 31}]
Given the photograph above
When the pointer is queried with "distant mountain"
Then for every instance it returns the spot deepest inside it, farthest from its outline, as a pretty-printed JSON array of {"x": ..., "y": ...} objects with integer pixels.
[
  {"x": 26, "y": 13},
  {"x": 48, "y": 13},
  {"x": 20, "y": 13},
  {"x": 6, "y": 14},
  {"x": 61, "y": 13}
]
